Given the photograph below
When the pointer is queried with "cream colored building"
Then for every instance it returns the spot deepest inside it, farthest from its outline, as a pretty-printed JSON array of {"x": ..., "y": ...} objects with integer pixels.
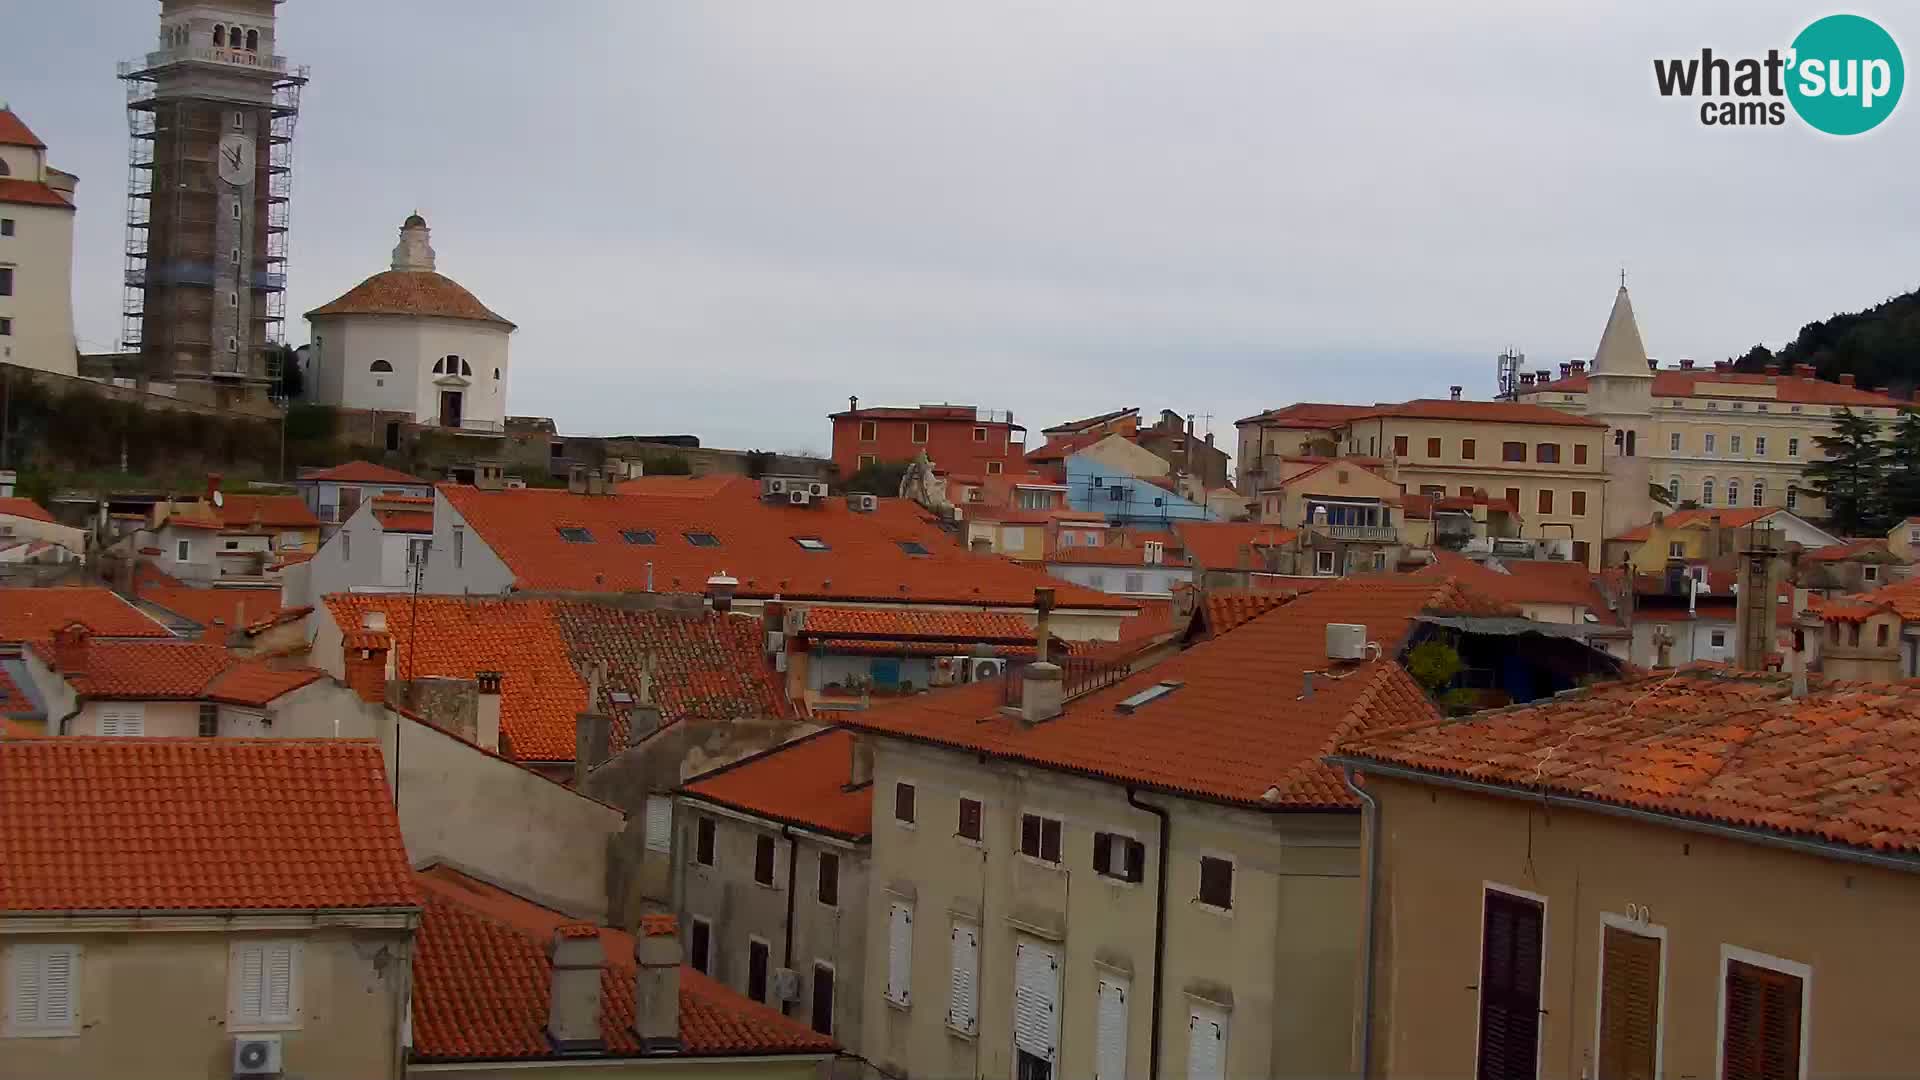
[
  {"x": 36, "y": 253},
  {"x": 1268, "y": 440},
  {"x": 1712, "y": 436},
  {"x": 1544, "y": 463},
  {"x": 1048, "y": 881}
]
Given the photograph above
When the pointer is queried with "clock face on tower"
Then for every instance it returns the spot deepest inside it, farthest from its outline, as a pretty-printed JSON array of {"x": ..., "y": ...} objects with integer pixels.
[{"x": 236, "y": 160}]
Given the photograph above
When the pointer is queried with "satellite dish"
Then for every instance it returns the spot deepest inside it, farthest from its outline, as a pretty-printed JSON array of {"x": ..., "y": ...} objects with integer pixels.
[{"x": 219, "y": 499}]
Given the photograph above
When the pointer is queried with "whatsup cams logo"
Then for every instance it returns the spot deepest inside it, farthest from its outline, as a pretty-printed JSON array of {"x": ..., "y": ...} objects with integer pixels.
[{"x": 1842, "y": 75}]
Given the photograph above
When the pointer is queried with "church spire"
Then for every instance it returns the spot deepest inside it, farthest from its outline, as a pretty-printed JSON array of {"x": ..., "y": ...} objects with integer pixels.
[
  {"x": 1621, "y": 351},
  {"x": 414, "y": 252}
]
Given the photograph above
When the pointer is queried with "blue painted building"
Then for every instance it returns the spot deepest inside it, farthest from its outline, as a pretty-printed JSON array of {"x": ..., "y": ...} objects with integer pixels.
[{"x": 1098, "y": 487}]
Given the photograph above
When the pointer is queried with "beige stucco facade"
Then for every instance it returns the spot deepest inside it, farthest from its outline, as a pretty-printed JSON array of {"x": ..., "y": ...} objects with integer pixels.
[
  {"x": 738, "y": 911},
  {"x": 1278, "y": 968},
  {"x": 37, "y": 246},
  {"x": 783, "y": 1067},
  {"x": 1555, "y": 500},
  {"x": 154, "y": 995},
  {"x": 1844, "y": 926}
]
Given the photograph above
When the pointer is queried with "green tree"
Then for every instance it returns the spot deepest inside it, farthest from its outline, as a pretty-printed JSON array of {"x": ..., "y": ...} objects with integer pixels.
[
  {"x": 1902, "y": 470},
  {"x": 1433, "y": 664},
  {"x": 881, "y": 478},
  {"x": 1659, "y": 494},
  {"x": 1848, "y": 478}
]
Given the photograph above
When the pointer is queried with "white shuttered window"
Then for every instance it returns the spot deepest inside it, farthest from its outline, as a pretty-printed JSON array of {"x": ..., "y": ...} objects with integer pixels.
[
  {"x": 1206, "y": 1044},
  {"x": 43, "y": 984},
  {"x": 1036, "y": 1000},
  {"x": 659, "y": 824},
  {"x": 1110, "y": 1030},
  {"x": 265, "y": 978},
  {"x": 123, "y": 720},
  {"x": 963, "y": 1007},
  {"x": 900, "y": 954}
]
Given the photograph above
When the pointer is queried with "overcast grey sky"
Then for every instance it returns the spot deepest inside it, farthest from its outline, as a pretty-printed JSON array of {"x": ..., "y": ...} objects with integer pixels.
[{"x": 723, "y": 218}]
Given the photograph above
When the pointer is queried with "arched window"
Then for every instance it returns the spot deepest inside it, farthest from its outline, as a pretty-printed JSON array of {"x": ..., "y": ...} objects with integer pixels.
[
  {"x": 219, "y": 35},
  {"x": 1706, "y": 492},
  {"x": 4, "y": 171},
  {"x": 1733, "y": 492},
  {"x": 440, "y": 366},
  {"x": 379, "y": 365},
  {"x": 1759, "y": 493},
  {"x": 253, "y": 40},
  {"x": 1673, "y": 489},
  {"x": 466, "y": 368},
  {"x": 1793, "y": 497}
]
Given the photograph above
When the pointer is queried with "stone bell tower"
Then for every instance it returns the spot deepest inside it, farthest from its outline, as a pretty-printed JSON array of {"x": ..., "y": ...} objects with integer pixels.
[{"x": 1620, "y": 393}]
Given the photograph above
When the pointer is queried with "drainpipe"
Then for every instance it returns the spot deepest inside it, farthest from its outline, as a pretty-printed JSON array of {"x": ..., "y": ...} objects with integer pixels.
[
  {"x": 1159, "y": 925},
  {"x": 793, "y": 860},
  {"x": 1372, "y": 908}
]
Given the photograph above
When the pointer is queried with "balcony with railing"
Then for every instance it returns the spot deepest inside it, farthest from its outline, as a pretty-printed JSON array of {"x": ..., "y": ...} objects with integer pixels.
[
  {"x": 1373, "y": 534},
  {"x": 1079, "y": 675},
  {"x": 196, "y": 54}
]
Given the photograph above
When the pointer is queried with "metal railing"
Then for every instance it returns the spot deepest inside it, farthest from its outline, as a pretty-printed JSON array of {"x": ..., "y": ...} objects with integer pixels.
[
  {"x": 204, "y": 54},
  {"x": 1379, "y": 533},
  {"x": 1079, "y": 675}
]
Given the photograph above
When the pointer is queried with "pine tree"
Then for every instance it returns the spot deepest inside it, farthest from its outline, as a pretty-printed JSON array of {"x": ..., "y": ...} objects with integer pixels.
[
  {"x": 1902, "y": 469},
  {"x": 1848, "y": 478}
]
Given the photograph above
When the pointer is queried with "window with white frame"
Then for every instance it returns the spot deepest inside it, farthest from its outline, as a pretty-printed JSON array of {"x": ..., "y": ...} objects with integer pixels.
[
  {"x": 1759, "y": 493},
  {"x": 1136, "y": 583},
  {"x": 1718, "y": 639},
  {"x": 1733, "y": 444},
  {"x": 1870, "y": 573},
  {"x": 264, "y": 985},
  {"x": 1673, "y": 442},
  {"x": 1763, "y": 1015},
  {"x": 1733, "y": 492},
  {"x": 900, "y": 953},
  {"x": 1676, "y": 549},
  {"x": 183, "y": 551},
  {"x": 1706, "y": 492},
  {"x": 1793, "y": 447},
  {"x": 122, "y": 719},
  {"x": 1323, "y": 562},
  {"x": 43, "y": 990},
  {"x": 1036, "y": 1011},
  {"x": 963, "y": 999},
  {"x": 1706, "y": 442},
  {"x": 1673, "y": 488},
  {"x": 1793, "y": 497},
  {"x": 1759, "y": 446}
]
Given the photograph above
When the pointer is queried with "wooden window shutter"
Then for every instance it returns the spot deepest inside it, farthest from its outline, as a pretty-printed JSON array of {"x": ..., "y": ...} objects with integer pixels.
[
  {"x": 963, "y": 1003},
  {"x": 659, "y": 823},
  {"x": 277, "y": 988},
  {"x": 1509, "y": 1039},
  {"x": 1036, "y": 993},
  {"x": 56, "y": 988},
  {"x": 899, "y": 954},
  {"x": 23, "y": 977},
  {"x": 1110, "y": 1030},
  {"x": 1103, "y": 852},
  {"x": 1206, "y": 1045},
  {"x": 250, "y": 971},
  {"x": 1762, "y": 1038},
  {"x": 1629, "y": 1005}
]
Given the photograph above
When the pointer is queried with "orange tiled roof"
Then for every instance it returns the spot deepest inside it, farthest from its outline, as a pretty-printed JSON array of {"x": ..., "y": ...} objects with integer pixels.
[
  {"x": 897, "y": 624},
  {"x": 26, "y": 508},
  {"x": 213, "y": 607},
  {"x": 34, "y": 614},
  {"x": 179, "y": 671},
  {"x": 410, "y": 292},
  {"x": 199, "y": 825},
  {"x": 1730, "y": 518},
  {"x": 21, "y": 192},
  {"x": 404, "y": 521},
  {"x": 1229, "y": 608},
  {"x": 15, "y": 132},
  {"x": 1902, "y": 597},
  {"x": 1794, "y": 389},
  {"x": 1480, "y": 412},
  {"x": 1842, "y": 765},
  {"x": 1854, "y": 549},
  {"x": 706, "y": 666},
  {"x": 1237, "y": 727},
  {"x": 365, "y": 472},
  {"x": 265, "y": 511},
  {"x": 1306, "y": 414},
  {"x": 801, "y": 783},
  {"x": 1525, "y": 581},
  {"x": 864, "y": 560},
  {"x": 1224, "y": 545},
  {"x": 482, "y": 979}
]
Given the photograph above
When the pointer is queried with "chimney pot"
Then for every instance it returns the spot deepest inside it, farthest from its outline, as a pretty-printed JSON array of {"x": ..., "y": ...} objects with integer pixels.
[
  {"x": 70, "y": 647},
  {"x": 573, "y": 1015},
  {"x": 1846, "y": 379},
  {"x": 1043, "y": 691},
  {"x": 1772, "y": 369},
  {"x": 720, "y": 590},
  {"x": 375, "y": 621},
  {"x": 486, "y": 725},
  {"x": 1453, "y": 392},
  {"x": 853, "y": 403},
  {"x": 656, "y": 989},
  {"x": 1686, "y": 364},
  {"x": 1803, "y": 371}
]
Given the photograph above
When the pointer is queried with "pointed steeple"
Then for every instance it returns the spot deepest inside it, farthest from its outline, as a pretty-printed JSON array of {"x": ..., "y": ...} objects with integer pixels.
[{"x": 1621, "y": 351}]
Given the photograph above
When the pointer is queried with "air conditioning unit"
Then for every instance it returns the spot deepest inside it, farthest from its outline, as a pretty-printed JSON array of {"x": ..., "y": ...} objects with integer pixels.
[
  {"x": 869, "y": 503},
  {"x": 786, "y": 984},
  {"x": 984, "y": 668},
  {"x": 817, "y": 489},
  {"x": 798, "y": 497},
  {"x": 1346, "y": 641},
  {"x": 773, "y": 486},
  {"x": 256, "y": 1055}
]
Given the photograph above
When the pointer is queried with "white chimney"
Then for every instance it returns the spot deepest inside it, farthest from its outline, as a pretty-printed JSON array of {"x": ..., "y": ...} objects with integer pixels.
[
  {"x": 375, "y": 621},
  {"x": 656, "y": 989},
  {"x": 573, "y": 1014},
  {"x": 486, "y": 728}
]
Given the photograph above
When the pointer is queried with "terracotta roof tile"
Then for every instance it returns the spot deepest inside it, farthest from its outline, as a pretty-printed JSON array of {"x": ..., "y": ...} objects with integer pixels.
[
  {"x": 22, "y": 192},
  {"x": 404, "y": 521},
  {"x": 1228, "y": 608},
  {"x": 1873, "y": 549},
  {"x": 706, "y": 666},
  {"x": 1730, "y": 518},
  {"x": 14, "y": 702},
  {"x": 242, "y": 511},
  {"x": 1307, "y": 414},
  {"x": 801, "y": 783},
  {"x": 410, "y": 292},
  {"x": 1526, "y": 581},
  {"x": 26, "y": 508},
  {"x": 902, "y": 624},
  {"x": 1841, "y": 765},
  {"x": 482, "y": 981},
  {"x": 1794, "y": 389},
  {"x": 1229, "y": 545},
  {"x": 865, "y": 558},
  {"x": 34, "y": 614},
  {"x": 1237, "y": 727},
  {"x": 198, "y": 824},
  {"x": 15, "y": 132},
  {"x": 213, "y": 607},
  {"x": 178, "y": 671},
  {"x": 364, "y": 472}
]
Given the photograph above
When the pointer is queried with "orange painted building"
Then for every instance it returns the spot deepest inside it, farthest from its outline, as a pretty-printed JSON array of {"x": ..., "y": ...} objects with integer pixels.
[{"x": 956, "y": 438}]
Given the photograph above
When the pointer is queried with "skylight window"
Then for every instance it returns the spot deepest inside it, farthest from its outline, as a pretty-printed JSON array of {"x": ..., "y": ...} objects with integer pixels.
[
  {"x": 913, "y": 547},
  {"x": 811, "y": 543},
  {"x": 703, "y": 539},
  {"x": 1150, "y": 694},
  {"x": 573, "y": 534},
  {"x": 638, "y": 536}
]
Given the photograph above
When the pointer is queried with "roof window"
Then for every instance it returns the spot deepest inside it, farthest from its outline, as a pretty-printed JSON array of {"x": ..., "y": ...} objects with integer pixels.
[
  {"x": 913, "y": 547},
  {"x": 638, "y": 536},
  {"x": 1151, "y": 694},
  {"x": 702, "y": 539},
  {"x": 811, "y": 543},
  {"x": 573, "y": 534}
]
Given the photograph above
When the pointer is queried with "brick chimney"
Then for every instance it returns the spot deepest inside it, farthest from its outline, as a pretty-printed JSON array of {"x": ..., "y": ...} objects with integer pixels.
[
  {"x": 573, "y": 1013},
  {"x": 368, "y": 655},
  {"x": 1846, "y": 379},
  {"x": 656, "y": 987},
  {"x": 1803, "y": 371},
  {"x": 70, "y": 646},
  {"x": 1579, "y": 366},
  {"x": 1686, "y": 364},
  {"x": 486, "y": 724},
  {"x": 1772, "y": 369}
]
